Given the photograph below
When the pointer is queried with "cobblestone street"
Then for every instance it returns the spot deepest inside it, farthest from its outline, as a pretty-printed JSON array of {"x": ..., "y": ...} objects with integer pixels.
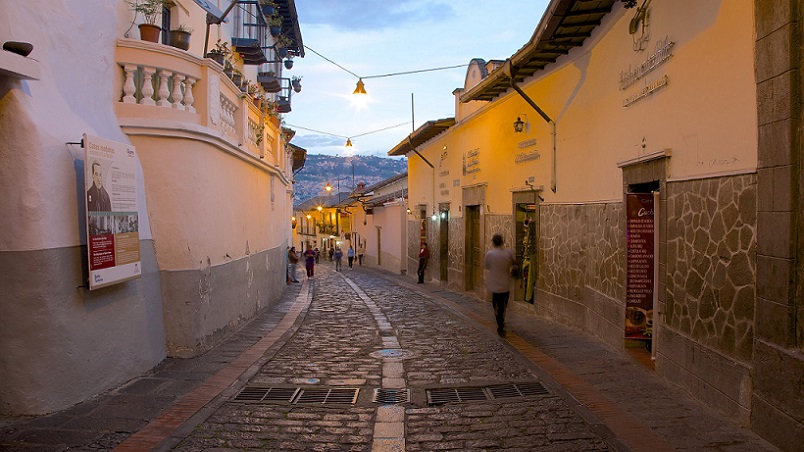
[
  {"x": 363, "y": 360},
  {"x": 353, "y": 316}
]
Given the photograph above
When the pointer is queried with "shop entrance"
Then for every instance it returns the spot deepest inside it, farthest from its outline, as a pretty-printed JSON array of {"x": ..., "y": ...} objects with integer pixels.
[
  {"x": 443, "y": 242},
  {"x": 642, "y": 266},
  {"x": 473, "y": 267},
  {"x": 525, "y": 249}
]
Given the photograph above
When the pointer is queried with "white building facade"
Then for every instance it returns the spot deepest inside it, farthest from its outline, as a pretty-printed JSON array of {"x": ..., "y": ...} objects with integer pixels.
[{"x": 214, "y": 178}]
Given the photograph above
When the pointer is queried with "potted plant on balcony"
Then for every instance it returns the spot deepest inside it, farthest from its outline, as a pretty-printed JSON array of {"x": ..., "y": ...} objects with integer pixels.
[
  {"x": 252, "y": 91},
  {"x": 237, "y": 77},
  {"x": 220, "y": 54},
  {"x": 259, "y": 133},
  {"x": 151, "y": 10},
  {"x": 295, "y": 82},
  {"x": 269, "y": 8},
  {"x": 275, "y": 25},
  {"x": 281, "y": 46},
  {"x": 180, "y": 37}
]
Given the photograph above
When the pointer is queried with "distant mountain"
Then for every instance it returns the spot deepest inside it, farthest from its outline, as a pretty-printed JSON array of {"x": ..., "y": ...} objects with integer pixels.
[{"x": 322, "y": 169}]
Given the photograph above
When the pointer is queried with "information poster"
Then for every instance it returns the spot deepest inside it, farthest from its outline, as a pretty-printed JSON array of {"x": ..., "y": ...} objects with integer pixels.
[
  {"x": 110, "y": 182},
  {"x": 640, "y": 266}
]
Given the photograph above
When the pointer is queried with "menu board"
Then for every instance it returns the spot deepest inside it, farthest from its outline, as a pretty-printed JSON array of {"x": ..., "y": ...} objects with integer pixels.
[{"x": 640, "y": 266}]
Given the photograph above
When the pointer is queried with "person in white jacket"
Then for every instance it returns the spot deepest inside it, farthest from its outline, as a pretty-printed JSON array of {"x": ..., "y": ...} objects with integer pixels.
[{"x": 498, "y": 263}]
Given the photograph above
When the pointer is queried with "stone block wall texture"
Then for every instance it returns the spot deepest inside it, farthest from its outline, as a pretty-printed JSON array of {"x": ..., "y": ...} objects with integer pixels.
[
  {"x": 582, "y": 245},
  {"x": 413, "y": 246},
  {"x": 457, "y": 236},
  {"x": 499, "y": 224},
  {"x": 711, "y": 262},
  {"x": 778, "y": 359},
  {"x": 581, "y": 256}
]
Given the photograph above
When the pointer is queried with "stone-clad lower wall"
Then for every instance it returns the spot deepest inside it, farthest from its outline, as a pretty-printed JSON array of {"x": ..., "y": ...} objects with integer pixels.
[
  {"x": 706, "y": 341},
  {"x": 711, "y": 262},
  {"x": 457, "y": 237},
  {"x": 582, "y": 267}
]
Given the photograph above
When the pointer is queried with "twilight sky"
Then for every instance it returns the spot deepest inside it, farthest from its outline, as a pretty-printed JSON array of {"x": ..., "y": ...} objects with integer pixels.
[{"x": 379, "y": 37}]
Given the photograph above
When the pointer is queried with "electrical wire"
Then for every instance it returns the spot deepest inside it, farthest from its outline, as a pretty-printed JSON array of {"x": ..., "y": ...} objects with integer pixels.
[
  {"x": 418, "y": 71},
  {"x": 350, "y": 136}
]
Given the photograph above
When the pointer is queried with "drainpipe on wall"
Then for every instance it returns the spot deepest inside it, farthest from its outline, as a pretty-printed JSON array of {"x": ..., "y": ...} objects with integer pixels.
[{"x": 510, "y": 72}]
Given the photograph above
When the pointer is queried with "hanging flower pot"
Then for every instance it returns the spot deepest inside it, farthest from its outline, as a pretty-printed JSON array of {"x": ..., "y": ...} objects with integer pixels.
[
  {"x": 268, "y": 10},
  {"x": 296, "y": 84},
  {"x": 288, "y": 64},
  {"x": 281, "y": 52},
  {"x": 275, "y": 30},
  {"x": 149, "y": 32}
]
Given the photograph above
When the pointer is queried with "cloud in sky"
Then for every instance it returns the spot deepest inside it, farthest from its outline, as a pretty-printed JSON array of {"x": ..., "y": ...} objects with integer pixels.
[
  {"x": 315, "y": 140},
  {"x": 375, "y": 37},
  {"x": 356, "y": 15}
]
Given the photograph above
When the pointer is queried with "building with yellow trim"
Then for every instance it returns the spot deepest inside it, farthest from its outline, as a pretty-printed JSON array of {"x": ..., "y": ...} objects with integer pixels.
[{"x": 690, "y": 107}]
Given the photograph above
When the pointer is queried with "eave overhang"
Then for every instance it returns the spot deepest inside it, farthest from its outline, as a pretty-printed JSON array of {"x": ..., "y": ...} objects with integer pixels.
[
  {"x": 565, "y": 25},
  {"x": 424, "y": 133}
]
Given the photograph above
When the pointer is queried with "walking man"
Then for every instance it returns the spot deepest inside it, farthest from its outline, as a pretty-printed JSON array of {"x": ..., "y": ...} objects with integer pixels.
[
  {"x": 350, "y": 255},
  {"x": 424, "y": 256},
  {"x": 498, "y": 263},
  {"x": 361, "y": 250},
  {"x": 338, "y": 259},
  {"x": 293, "y": 259}
]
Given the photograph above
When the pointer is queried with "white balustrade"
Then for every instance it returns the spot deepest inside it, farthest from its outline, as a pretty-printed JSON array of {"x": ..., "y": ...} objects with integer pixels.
[
  {"x": 228, "y": 110},
  {"x": 172, "y": 89},
  {"x": 252, "y": 132}
]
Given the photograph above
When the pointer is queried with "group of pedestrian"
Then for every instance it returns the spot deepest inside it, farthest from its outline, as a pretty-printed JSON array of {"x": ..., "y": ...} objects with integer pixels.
[
  {"x": 338, "y": 257},
  {"x": 312, "y": 256},
  {"x": 499, "y": 263}
]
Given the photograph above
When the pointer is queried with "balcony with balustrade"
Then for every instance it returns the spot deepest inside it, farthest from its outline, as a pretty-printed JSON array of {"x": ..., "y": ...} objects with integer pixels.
[{"x": 169, "y": 92}]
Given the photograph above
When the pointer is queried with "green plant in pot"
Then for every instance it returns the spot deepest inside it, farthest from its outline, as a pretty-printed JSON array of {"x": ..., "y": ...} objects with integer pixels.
[
  {"x": 221, "y": 53},
  {"x": 180, "y": 37},
  {"x": 269, "y": 8},
  {"x": 151, "y": 11},
  {"x": 275, "y": 25}
]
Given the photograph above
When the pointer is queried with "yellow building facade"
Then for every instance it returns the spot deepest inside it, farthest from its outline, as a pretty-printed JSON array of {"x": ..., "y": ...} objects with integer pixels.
[{"x": 610, "y": 104}]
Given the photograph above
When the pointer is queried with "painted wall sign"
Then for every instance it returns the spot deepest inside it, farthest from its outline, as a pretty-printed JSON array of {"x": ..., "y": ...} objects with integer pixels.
[
  {"x": 663, "y": 52},
  {"x": 649, "y": 89},
  {"x": 113, "y": 241},
  {"x": 527, "y": 143},
  {"x": 471, "y": 162},
  {"x": 527, "y": 156},
  {"x": 639, "y": 266}
]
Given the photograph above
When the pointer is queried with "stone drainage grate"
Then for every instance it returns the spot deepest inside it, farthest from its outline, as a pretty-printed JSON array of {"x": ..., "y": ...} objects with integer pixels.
[
  {"x": 259, "y": 394},
  {"x": 333, "y": 395},
  {"x": 391, "y": 396},
  {"x": 441, "y": 396}
]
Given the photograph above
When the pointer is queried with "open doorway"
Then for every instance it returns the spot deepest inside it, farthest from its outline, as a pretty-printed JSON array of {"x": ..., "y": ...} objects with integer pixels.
[
  {"x": 443, "y": 242},
  {"x": 473, "y": 267},
  {"x": 642, "y": 266},
  {"x": 525, "y": 249}
]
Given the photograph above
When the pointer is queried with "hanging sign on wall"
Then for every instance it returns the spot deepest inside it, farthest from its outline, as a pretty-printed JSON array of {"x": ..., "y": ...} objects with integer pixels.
[{"x": 110, "y": 181}]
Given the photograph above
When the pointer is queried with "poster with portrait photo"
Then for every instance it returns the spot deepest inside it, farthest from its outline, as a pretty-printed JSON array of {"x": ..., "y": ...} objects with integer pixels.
[{"x": 110, "y": 183}]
